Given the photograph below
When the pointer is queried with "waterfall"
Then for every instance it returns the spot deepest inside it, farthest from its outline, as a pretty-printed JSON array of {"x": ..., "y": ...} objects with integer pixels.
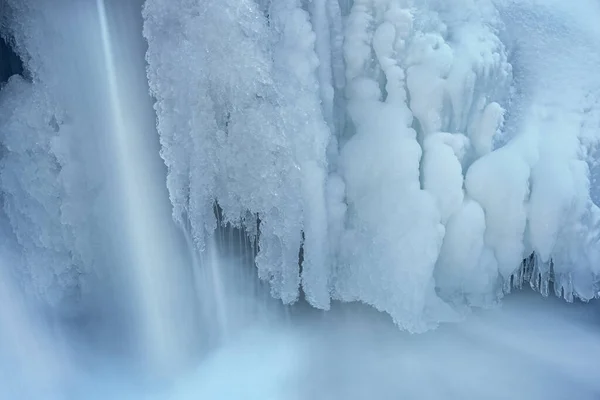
[
  {"x": 275, "y": 194},
  {"x": 158, "y": 270}
]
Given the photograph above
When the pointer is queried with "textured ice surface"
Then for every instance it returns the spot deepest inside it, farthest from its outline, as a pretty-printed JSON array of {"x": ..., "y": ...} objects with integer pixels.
[{"x": 413, "y": 152}]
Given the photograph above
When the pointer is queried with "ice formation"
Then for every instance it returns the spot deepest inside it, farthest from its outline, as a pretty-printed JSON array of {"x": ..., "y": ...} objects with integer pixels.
[
  {"x": 408, "y": 154},
  {"x": 43, "y": 184}
]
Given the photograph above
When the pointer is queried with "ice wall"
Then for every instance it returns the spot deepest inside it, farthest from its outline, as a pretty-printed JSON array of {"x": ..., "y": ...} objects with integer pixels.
[
  {"x": 245, "y": 129},
  {"x": 373, "y": 135}
]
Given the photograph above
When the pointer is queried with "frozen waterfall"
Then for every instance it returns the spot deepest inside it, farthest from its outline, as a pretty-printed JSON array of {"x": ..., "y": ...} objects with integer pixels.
[
  {"x": 416, "y": 153},
  {"x": 212, "y": 182}
]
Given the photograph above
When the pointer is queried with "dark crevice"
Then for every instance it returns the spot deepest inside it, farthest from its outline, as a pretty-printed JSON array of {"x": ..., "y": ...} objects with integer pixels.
[
  {"x": 541, "y": 280},
  {"x": 10, "y": 63},
  {"x": 301, "y": 293},
  {"x": 235, "y": 239}
]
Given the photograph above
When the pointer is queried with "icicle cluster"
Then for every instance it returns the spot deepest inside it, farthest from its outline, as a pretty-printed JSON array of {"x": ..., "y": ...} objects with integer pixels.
[
  {"x": 244, "y": 129},
  {"x": 367, "y": 133},
  {"x": 375, "y": 150}
]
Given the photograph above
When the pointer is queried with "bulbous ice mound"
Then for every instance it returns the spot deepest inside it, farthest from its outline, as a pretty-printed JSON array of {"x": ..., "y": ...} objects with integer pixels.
[{"x": 405, "y": 154}]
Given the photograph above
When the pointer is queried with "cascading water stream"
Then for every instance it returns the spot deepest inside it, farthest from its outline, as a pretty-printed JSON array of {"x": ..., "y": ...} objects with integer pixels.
[
  {"x": 158, "y": 269},
  {"x": 209, "y": 286},
  {"x": 172, "y": 283}
]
